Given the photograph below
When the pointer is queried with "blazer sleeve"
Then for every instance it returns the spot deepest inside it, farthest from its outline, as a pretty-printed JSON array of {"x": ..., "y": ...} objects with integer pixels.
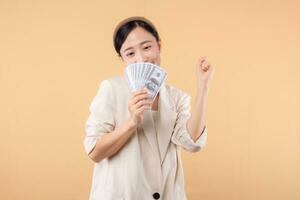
[
  {"x": 101, "y": 116},
  {"x": 181, "y": 135}
]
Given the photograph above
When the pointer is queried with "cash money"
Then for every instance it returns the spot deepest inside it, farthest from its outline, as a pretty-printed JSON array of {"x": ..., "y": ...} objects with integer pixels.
[{"x": 145, "y": 75}]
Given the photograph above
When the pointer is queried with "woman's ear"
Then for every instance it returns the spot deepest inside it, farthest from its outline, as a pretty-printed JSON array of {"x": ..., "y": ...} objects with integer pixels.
[{"x": 159, "y": 45}]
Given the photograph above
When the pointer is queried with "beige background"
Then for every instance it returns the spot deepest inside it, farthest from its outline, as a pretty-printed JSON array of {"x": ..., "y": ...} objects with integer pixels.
[{"x": 53, "y": 55}]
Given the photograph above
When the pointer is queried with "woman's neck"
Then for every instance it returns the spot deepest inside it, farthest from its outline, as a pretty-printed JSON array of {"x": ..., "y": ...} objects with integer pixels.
[{"x": 155, "y": 103}]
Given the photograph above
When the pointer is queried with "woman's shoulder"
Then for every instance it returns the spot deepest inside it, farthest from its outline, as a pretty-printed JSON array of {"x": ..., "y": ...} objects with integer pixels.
[
  {"x": 114, "y": 82},
  {"x": 175, "y": 95},
  {"x": 175, "y": 92}
]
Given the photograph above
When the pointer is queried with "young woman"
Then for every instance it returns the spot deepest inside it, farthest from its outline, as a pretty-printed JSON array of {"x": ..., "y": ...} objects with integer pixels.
[{"x": 135, "y": 143}]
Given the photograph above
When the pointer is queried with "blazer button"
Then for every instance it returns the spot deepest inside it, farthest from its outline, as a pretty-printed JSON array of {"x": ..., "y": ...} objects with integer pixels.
[{"x": 156, "y": 195}]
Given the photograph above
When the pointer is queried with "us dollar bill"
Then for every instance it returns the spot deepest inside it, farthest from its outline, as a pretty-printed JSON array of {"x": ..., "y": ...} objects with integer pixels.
[
  {"x": 145, "y": 75},
  {"x": 154, "y": 82}
]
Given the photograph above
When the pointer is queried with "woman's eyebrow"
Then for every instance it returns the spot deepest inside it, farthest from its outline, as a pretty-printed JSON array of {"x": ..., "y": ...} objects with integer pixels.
[{"x": 146, "y": 41}]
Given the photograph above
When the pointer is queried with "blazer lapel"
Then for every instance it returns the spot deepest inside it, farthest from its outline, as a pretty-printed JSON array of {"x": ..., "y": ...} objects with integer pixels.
[
  {"x": 149, "y": 131},
  {"x": 166, "y": 121}
]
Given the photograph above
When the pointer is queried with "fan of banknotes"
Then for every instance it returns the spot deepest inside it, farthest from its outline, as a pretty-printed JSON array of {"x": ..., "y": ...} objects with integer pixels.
[{"x": 145, "y": 75}]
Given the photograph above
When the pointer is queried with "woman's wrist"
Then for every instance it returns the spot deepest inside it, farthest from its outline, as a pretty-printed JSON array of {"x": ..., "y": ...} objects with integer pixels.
[
  {"x": 131, "y": 124},
  {"x": 202, "y": 87}
]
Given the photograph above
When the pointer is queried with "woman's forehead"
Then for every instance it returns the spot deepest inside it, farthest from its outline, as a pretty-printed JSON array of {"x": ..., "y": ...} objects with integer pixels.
[{"x": 136, "y": 37}]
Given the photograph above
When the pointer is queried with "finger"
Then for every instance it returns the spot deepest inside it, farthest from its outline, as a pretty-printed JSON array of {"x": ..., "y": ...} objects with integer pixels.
[
  {"x": 138, "y": 92},
  {"x": 141, "y": 103},
  {"x": 138, "y": 96},
  {"x": 201, "y": 60},
  {"x": 142, "y": 109},
  {"x": 205, "y": 63},
  {"x": 205, "y": 66}
]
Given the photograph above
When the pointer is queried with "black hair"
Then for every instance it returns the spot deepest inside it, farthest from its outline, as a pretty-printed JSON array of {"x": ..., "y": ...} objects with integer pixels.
[{"x": 127, "y": 25}]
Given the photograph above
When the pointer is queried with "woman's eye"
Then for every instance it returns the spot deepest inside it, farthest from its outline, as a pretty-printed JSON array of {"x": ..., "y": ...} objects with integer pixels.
[
  {"x": 147, "y": 47},
  {"x": 130, "y": 54}
]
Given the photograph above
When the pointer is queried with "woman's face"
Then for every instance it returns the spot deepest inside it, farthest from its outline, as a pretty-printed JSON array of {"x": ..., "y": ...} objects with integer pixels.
[{"x": 140, "y": 46}]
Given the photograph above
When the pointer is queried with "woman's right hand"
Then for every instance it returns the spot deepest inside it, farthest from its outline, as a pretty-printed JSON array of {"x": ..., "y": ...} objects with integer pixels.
[{"x": 137, "y": 105}]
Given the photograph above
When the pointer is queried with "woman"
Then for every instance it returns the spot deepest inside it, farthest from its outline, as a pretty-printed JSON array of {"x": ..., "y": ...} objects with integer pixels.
[{"x": 135, "y": 143}]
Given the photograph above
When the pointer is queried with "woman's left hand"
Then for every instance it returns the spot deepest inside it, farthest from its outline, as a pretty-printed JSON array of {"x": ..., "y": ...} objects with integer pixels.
[{"x": 204, "y": 72}]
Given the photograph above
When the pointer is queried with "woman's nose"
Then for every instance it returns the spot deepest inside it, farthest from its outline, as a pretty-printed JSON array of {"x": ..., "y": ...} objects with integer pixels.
[{"x": 140, "y": 57}]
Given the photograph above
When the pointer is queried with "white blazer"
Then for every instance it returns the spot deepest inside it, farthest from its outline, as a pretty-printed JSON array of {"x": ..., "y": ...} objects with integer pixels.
[{"x": 149, "y": 165}]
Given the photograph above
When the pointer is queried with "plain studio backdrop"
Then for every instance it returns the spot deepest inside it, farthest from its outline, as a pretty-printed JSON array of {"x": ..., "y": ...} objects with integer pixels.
[{"x": 53, "y": 55}]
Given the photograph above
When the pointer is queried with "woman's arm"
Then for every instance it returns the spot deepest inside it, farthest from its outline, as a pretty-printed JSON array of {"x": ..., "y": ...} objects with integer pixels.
[
  {"x": 112, "y": 142},
  {"x": 197, "y": 121}
]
